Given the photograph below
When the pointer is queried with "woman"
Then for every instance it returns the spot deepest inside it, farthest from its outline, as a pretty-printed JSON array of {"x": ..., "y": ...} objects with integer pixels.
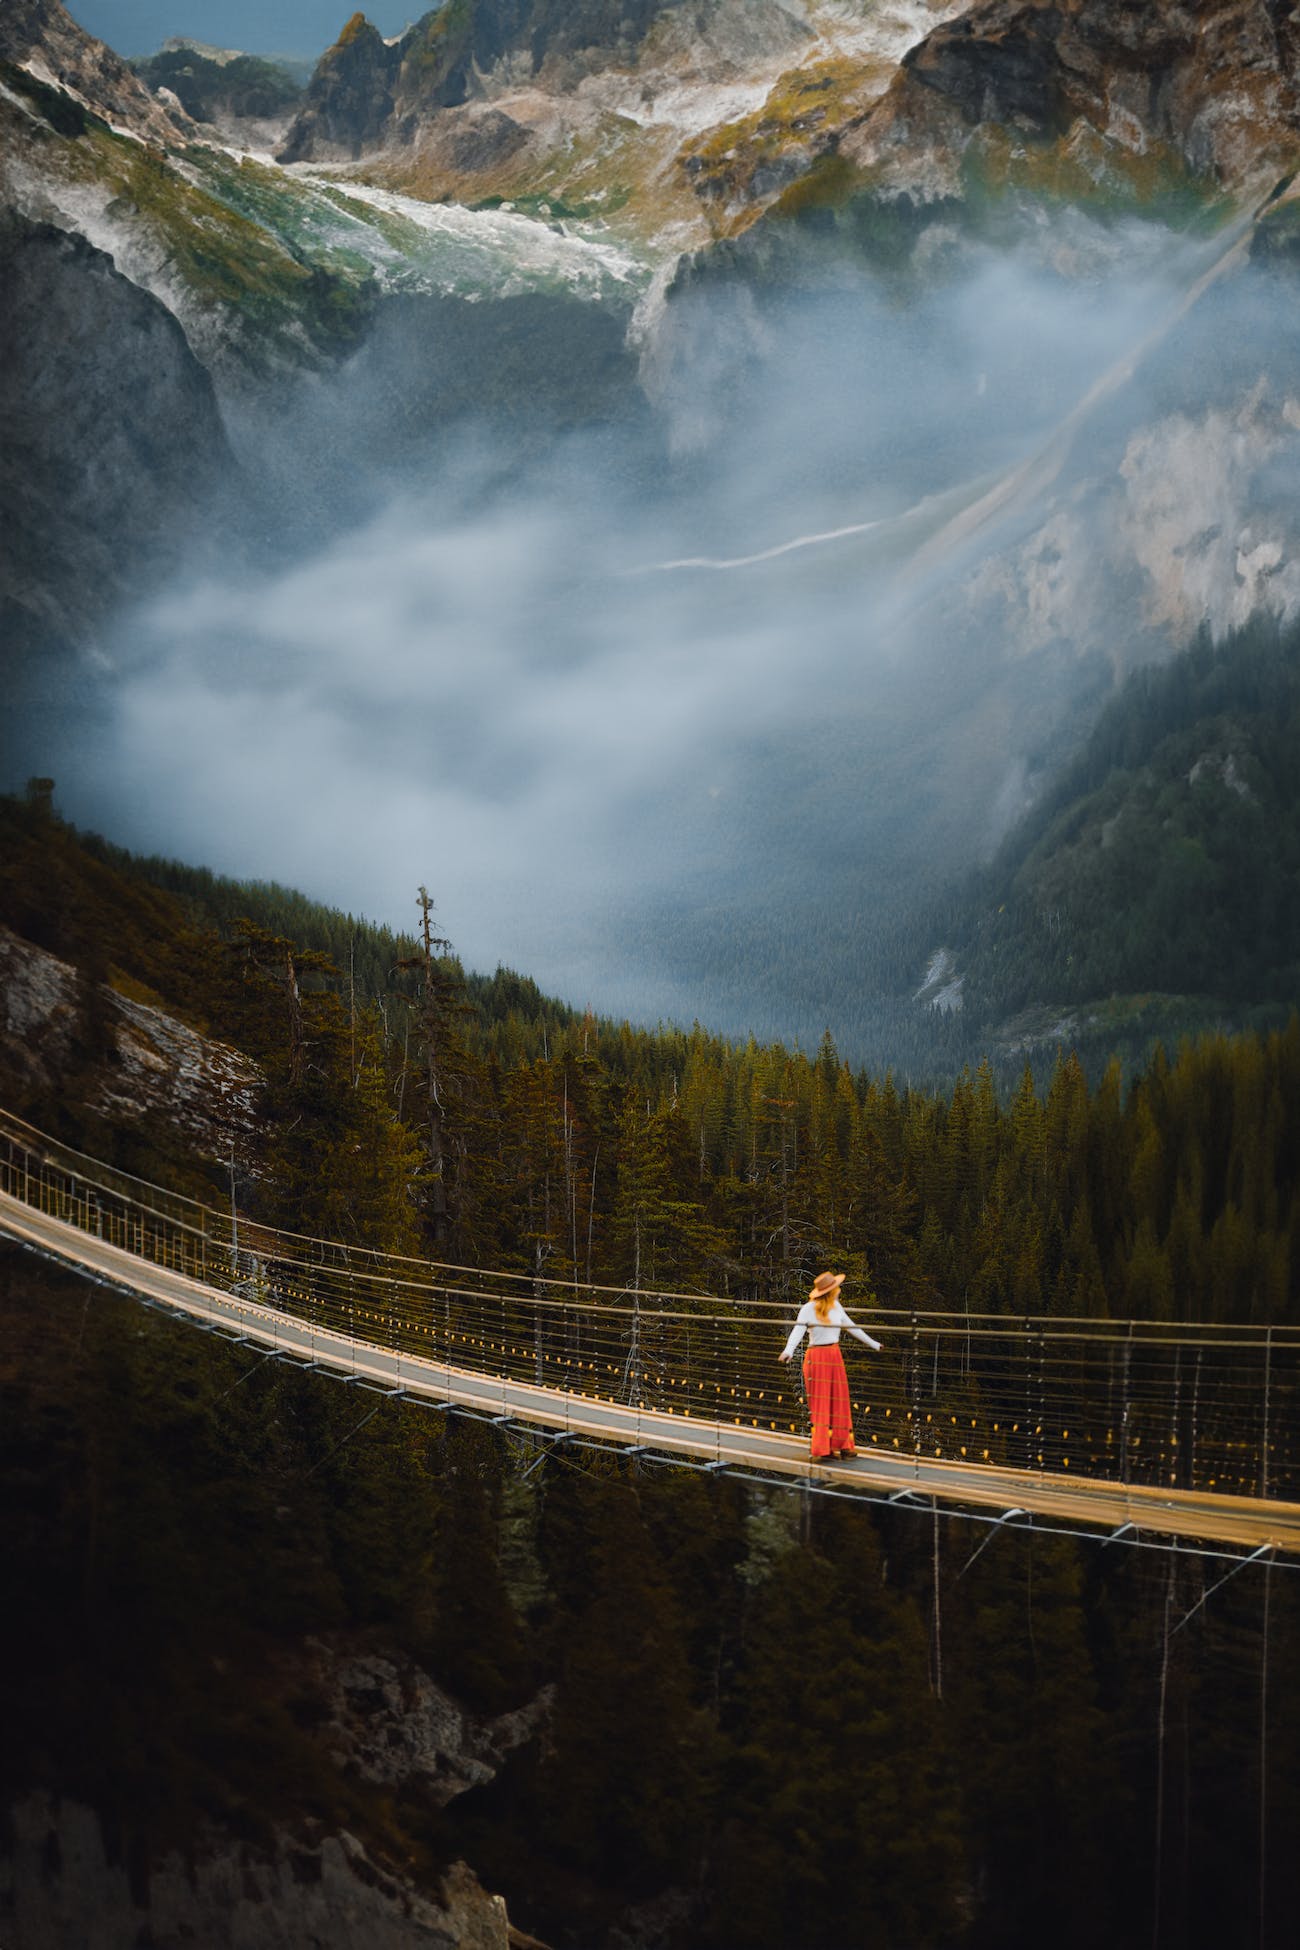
[{"x": 824, "y": 1378}]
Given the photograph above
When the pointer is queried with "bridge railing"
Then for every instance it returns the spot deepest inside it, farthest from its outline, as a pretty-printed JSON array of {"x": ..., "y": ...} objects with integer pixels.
[{"x": 1191, "y": 1406}]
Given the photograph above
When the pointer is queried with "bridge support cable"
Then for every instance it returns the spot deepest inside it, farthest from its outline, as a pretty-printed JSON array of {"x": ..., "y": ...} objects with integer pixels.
[
  {"x": 1268, "y": 1551},
  {"x": 1263, "y": 1764},
  {"x": 1268, "y": 1389},
  {"x": 996, "y": 1527},
  {"x": 545, "y": 1448},
  {"x": 1158, "y": 1852},
  {"x": 331, "y": 1453},
  {"x": 256, "y": 1367},
  {"x": 938, "y": 1611}
]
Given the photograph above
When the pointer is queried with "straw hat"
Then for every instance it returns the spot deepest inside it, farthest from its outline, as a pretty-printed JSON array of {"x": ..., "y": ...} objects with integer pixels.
[{"x": 825, "y": 1284}]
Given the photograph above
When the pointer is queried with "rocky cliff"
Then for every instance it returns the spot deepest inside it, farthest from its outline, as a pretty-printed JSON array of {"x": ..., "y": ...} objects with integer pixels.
[
  {"x": 367, "y": 91},
  {"x": 91, "y": 1045},
  {"x": 61, "y": 1883},
  {"x": 349, "y": 100},
  {"x": 387, "y": 1723},
  {"x": 111, "y": 443},
  {"x": 40, "y": 37},
  {"x": 1090, "y": 89},
  {"x": 719, "y": 109},
  {"x": 582, "y": 106}
]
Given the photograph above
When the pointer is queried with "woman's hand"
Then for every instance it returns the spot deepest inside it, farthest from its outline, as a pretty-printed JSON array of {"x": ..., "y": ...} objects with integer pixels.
[{"x": 784, "y": 1357}]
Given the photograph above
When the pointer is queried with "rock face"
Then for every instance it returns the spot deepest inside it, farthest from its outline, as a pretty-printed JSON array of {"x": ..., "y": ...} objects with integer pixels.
[
  {"x": 390, "y": 1723},
  {"x": 349, "y": 99},
  {"x": 367, "y": 95},
  {"x": 110, "y": 437},
  {"x": 134, "y": 1061},
  {"x": 40, "y": 36},
  {"x": 1211, "y": 82},
  {"x": 1070, "y": 95},
  {"x": 59, "y": 1890}
]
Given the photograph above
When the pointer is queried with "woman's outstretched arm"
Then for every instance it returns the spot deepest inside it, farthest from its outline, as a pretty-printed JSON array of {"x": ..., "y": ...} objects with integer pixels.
[{"x": 796, "y": 1335}]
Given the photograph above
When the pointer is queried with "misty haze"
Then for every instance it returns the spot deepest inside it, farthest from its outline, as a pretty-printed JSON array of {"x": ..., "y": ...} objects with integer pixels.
[
  {"x": 547, "y": 668},
  {"x": 670, "y": 493}
]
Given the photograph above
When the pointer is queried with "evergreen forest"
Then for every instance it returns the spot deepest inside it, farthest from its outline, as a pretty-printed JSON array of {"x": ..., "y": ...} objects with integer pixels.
[{"x": 410, "y": 1108}]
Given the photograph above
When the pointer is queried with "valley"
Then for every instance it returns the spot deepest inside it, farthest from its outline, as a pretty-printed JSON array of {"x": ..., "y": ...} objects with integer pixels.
[{"x": 933, "y": 416}]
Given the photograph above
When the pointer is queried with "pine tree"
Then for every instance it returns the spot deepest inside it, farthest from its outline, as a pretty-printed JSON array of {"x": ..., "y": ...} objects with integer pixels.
[{"x": 627, "y": 1777}]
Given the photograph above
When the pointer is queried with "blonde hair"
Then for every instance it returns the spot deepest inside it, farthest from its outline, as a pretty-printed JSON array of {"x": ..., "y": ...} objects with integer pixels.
[{"x": 823, "y": 1302}]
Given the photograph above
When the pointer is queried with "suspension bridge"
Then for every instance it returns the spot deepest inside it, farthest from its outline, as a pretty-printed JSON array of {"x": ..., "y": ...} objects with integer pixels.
[{"x": 1154, "y": 1431}]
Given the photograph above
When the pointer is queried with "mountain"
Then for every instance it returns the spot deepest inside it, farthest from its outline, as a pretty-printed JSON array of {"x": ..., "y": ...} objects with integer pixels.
[
  {"x": 166, "y": 301},
  {"x": 241, "y": 94},
  {"x": 956, "y": 346},
  {"x": 40, "y": 38},
  {"x": 1149, "y": 893},
  {"x": 1090, "y": 96},
  {"x": 626, "y": 111},
  {"x": 113, "y": 445},
  {"x": 349, "y": 97},
  {"x": 704, "y": 117},
  {"x": 298, "y": 67},
  {"x": 367, "y": 91}
]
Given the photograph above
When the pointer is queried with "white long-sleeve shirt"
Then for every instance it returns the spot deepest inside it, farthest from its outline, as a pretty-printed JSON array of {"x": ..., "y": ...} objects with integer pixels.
[{"x": 824, "y": 1333}]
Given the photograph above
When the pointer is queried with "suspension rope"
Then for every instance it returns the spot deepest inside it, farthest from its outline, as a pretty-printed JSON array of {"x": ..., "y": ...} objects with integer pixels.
[
  {"x": 1265, "y": 1550},
  {"x": 210, "y": 1222},
  {"x": 1158, "y": 1872},
  {"x": 331, "y": 1453},
  {"x": 1263, "y": 1765}
]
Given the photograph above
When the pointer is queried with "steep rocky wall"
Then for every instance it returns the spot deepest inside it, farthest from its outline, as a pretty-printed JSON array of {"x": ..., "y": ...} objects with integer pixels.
[
  {"x": 40, "y": 36},
  {"x": 367, "y": 94},
  {"x": 349, "y": 99},
  {"x": 111, "y": 442},
  {"x": 60, "y": 1889},
  {"x": 149, "y": 1064},
  {"x": 1214, "y": 83}
]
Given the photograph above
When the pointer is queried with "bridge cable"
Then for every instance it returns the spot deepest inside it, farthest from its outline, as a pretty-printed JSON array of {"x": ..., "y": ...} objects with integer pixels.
[
  {"x": 1158, "y": 1876},
  {"x": 369, "y": 1416},
  {"x": 1263, "y": 1768},
  {"x": 1265, "y": 1550}
]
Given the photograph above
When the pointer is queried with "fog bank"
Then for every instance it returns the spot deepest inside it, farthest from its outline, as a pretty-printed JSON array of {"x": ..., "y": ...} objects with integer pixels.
[{"x": 683, "y": 711}]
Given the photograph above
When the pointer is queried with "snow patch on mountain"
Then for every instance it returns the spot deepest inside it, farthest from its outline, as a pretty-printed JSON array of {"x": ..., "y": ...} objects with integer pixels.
[{"x": 476, "y": 253}]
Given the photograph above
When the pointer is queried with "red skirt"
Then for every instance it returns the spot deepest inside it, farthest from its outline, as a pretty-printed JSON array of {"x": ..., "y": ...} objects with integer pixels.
[{"x": 827, "y": 1387}]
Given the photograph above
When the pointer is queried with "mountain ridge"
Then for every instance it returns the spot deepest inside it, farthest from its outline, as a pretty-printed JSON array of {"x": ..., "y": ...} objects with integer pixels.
[
  {"x": 916, "y": 102},
  {"x": 42, "y": 37},
  {"x": 1144, "y": 897},
  {"x": 1214, "y": 87},
  {"x": 620, "y": 111}
]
